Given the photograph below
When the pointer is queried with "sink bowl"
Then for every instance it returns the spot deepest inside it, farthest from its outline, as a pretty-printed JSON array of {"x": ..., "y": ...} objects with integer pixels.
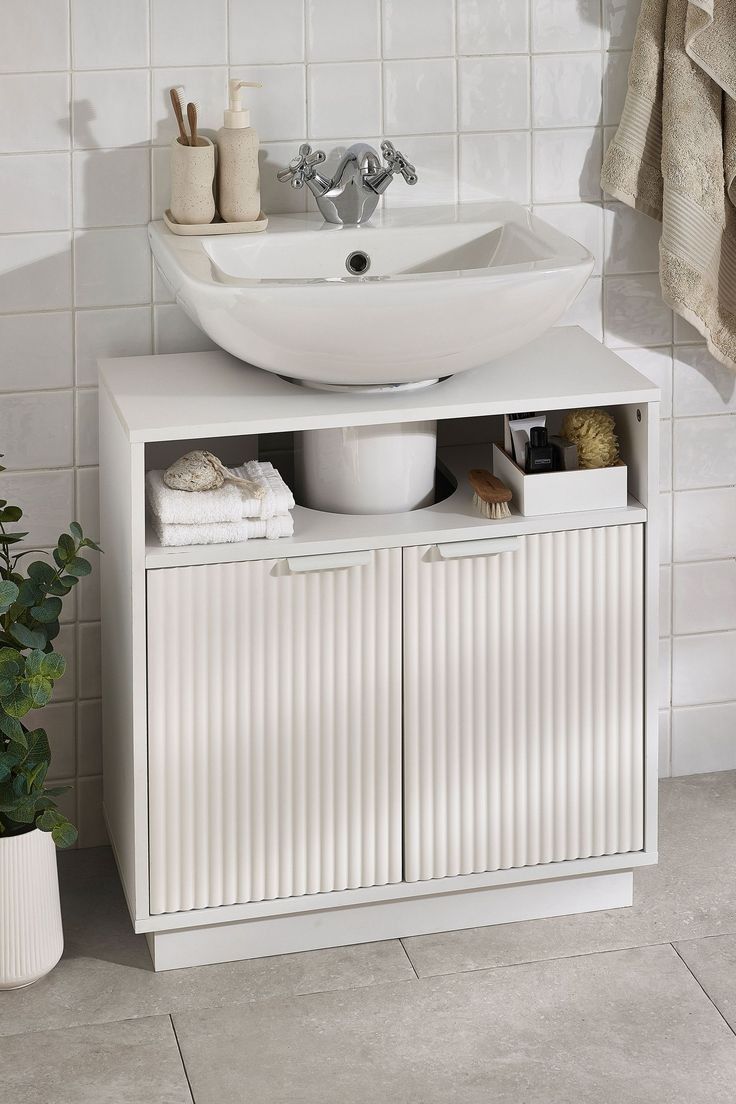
[{"x": 441, "y": 290}]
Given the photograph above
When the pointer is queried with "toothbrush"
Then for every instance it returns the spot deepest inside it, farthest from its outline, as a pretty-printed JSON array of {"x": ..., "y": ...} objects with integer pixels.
[
  {"x": 177, "y": 99},
  {"x": 192, "y": 117}
]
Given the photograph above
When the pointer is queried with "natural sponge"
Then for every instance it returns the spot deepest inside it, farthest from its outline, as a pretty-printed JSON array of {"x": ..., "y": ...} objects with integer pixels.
[{"x": 594, "y": 433}]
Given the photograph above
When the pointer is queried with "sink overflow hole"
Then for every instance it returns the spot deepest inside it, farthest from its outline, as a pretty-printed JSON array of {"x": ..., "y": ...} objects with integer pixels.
[{"x": 358, "y": 263}]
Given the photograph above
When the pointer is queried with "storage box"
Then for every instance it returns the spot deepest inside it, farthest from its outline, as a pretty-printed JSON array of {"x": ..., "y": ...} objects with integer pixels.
[{"x": 562, "y": 492}]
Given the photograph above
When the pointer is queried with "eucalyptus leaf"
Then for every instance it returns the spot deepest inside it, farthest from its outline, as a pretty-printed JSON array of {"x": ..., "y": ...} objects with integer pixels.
[
  {"x": 9, "y": 514},
  {"x": 76, "y": 530},
  {"x": 66, "y": 546},
  {"x": 29, "y": 638},
  {"x": 79, "y": 567},
  {"x": 12, "y": 538},
  {"x": 53, "y": 665},
  {"x": 39, "y": 690},
  {"x": 8, "y": 594},
  {"x": 12, "y": 729},
  {"x": 29, "y": 593},
  {"x": 47, "y": 611},
  {"x": 41, "y": 572},
  {"x": 18, "y": 703}
]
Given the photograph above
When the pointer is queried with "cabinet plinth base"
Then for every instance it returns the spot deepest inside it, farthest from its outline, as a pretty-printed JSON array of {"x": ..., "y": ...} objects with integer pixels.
[{"x": 202, "y": 946}]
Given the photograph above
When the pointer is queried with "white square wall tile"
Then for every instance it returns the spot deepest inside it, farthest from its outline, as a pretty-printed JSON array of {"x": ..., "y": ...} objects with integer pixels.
[
  {"x": 59, "y": 720},
  {"x": 619, "y": 23},
  {"x": 586, "y": 310},
  {"x": 262, "y": 32},
  {"x": 492, "y": 26},
  {"x": 277, "y": 197},
  {"x": 704, "y": 524},
  {"x": 665, "y": 600},
  {"x": 176, "y": 333},
  {"x": 88, "y": 503},
  {"x": 66, "y": 644},
  {"x": 703, "y": 668},
  {"x": 278, "y": 110},
  {"x": 419, "y": 96},
  {"x": 665, "y": 528},
  {"x": 39, "y": 119},
  {"x": 656, "y": 365},
  {"x": 87, "y": 445},
  {"x": 89, "y": 737},
  {"x": 705, "y": 452},
  {"x": 35, "y": 271},
  {"x": 567, "y": 165},
  {"x": 559, "y": 25},
  {"x": 636, "y": 314},
  {"x": 414, "y": 28},
  {"x": 89, "y": 667},
  {"x": 111, "y": 108},
  {"x": 36, "y": 430},
  {"x": 110, "y": 333},
  {"x": 111, "y": 187},
  {"x": 88, "y": 596},
  {"x": 632, "y": 240},
  {"x": 665, "y": 456},
  {"x": 111, "y": 267},
  {"x": 493, "y": 93},
  {"x": 581, "y": 221},
  {"x": 35, "y": 192},
  {"x": 344, "y": 100},
  {"x": 665, "y": 677},
  {"x": 702, "y": 384},
  {"x": 615, "y": 86},
  {"x": 187, "y": 32},
  {"x": 34, "y": 37},
  {"x": 37, "y": 351},
  {"x": 567, "y": 90},
  {"x": 703, "y": 739},
  {"x": 207, "y": 87},
  {"x": 705, "y": 597},
  {"x": 343, "y": 30},
  {"x": 47, "y": 501},
  {"x": 665, "y": 753},
  {"x": 495, "y": 166},
  {"x": 685, "y": 334},
  {"x": 435, "y": 159},
  {"x": 109, "y": 35}
]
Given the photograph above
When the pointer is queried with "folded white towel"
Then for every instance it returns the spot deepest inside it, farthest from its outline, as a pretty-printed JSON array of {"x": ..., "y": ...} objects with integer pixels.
[
  {"x": 225, "y": 532},
  {"x": 193, "y": 507},
  {"x": 278, "y": 499},
  {"x": 228, "y": 503}
]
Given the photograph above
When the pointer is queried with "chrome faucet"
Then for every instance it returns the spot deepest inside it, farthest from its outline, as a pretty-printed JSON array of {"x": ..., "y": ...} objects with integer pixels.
[{"x": 359, "y": 182}]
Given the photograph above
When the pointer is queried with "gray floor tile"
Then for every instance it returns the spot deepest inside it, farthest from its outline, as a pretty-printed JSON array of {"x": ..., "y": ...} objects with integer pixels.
[
  {"x": 713, "y": 962},
  {"x": 134, "y": 1061},
  {"x": 627, "y": 1026},
  {"x": 106, "y": 972},
  {"x": 685, "y": 896}
]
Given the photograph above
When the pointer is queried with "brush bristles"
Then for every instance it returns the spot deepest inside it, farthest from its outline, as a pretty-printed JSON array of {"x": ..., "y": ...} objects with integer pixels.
[{"x": 495, "y": 511}]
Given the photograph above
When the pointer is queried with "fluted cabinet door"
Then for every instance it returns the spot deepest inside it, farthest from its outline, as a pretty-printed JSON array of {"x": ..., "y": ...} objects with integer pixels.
[
  {"x": 524, "y": 702},
  {"x": 274, "y": 730}
]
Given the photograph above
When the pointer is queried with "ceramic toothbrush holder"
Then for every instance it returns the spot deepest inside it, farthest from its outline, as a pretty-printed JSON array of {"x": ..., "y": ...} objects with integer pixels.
[{"x": 192, "y": 180}]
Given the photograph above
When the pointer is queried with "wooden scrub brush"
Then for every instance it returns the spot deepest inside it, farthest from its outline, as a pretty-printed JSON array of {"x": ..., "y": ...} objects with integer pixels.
[{"x": 491, "y": 496}]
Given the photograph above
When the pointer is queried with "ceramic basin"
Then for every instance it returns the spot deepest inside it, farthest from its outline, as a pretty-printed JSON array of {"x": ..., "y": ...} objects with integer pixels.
[{"x": 447, "y": 289}]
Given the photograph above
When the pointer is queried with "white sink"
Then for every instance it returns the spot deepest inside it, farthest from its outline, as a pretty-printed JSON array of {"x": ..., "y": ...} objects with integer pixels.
[{"x": 448, "y": 289}]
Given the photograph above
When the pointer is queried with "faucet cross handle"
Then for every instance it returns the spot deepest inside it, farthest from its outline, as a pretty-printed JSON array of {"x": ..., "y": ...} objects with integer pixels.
[
  {"x": 397, "y": 163},
  {"x": 301, "y": 168}
]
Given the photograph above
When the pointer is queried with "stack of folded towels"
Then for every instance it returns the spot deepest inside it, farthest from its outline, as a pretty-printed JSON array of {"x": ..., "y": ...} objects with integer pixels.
[{"x": 227, "y": 514}]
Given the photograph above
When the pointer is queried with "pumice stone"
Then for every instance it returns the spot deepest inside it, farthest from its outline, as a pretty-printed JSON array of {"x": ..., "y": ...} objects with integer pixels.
[{"x": 202, "y": 471}]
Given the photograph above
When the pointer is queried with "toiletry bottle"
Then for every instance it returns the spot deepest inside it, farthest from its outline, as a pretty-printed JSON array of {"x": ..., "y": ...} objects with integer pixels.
[
  {"x": 540, "y": 455},
  {"x": 239, "y": 194}
]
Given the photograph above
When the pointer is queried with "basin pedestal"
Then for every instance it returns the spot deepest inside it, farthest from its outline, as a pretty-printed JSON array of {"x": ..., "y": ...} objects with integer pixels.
[{"x": 375, "y": 469}]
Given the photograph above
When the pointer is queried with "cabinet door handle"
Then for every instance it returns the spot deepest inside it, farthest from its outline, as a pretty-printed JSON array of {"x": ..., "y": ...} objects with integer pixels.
[
  {"x": 461, "y": 549},
  {"x": 298, "y": 565}
]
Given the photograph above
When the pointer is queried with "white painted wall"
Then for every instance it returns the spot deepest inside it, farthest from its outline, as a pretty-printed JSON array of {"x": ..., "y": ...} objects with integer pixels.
[{"x": 515, "y": 97}]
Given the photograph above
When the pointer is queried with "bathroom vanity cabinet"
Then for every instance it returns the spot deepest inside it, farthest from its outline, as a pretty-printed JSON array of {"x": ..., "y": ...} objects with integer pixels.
[{"x": 385, "y": 725}]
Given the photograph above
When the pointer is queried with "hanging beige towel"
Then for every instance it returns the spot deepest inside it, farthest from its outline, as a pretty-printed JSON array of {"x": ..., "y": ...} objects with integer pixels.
[{"x": 674, "y": 157}]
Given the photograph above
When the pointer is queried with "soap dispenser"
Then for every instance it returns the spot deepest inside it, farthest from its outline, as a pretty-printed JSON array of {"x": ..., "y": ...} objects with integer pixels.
[{"x": 239, "y": 194}]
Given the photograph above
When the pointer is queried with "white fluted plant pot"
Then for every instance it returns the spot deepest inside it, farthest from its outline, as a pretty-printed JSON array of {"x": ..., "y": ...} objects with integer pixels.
[{"x": 31, "y": 936}]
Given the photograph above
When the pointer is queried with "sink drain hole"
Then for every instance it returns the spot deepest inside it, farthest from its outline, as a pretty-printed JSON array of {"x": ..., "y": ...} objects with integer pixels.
[{"x": 358, "y": 263}]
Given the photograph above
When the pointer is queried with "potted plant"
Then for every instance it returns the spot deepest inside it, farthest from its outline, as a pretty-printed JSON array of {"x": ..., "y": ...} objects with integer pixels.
[{"x": 31, "y": 824}]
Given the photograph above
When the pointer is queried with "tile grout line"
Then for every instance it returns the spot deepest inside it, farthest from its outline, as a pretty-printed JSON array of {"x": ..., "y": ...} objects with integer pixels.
[
  {"x": 703, "y": 989},
  {"x": 181, "y": 1058},
  {"x": 414, "y": 969}
]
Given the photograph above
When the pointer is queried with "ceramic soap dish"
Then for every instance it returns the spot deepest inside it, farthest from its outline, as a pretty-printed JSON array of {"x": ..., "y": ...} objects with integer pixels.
[{"x": 216, "y": 227}]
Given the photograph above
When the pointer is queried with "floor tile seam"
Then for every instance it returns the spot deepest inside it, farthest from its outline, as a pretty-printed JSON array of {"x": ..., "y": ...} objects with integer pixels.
[
  {"x": 550, "y": 958},
  {"x": 411, "y": 961},
  {"x": 703, "y": 990},
  {"x": 181, "y": 1058}
]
